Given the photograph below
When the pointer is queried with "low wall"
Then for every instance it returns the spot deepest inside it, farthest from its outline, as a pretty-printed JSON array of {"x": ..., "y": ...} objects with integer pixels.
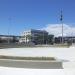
[
  {"x": 14, "y": 45},
  {"x": 31, "y": 64}
]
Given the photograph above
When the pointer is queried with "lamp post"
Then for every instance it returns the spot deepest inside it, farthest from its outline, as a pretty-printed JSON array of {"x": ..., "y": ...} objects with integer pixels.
[
  {"x": 43, "y": 37},
  {"x": 9, "y": 29},
  {"x": 61, "y": 19}
]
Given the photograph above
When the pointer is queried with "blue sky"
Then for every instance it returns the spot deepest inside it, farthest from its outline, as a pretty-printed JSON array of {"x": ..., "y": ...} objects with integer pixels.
[{"x": 19, "y": 15}]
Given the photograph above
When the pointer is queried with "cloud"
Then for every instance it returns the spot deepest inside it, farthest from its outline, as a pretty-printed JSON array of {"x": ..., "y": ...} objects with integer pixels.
[{"x": 56, "y": 29}]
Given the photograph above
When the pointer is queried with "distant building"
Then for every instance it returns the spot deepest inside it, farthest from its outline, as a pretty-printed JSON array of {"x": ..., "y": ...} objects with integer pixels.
[
  {"x": 9, "y": 39},
  {"x": 35, "y": 36},
  {"x": 66, "y": 39}
]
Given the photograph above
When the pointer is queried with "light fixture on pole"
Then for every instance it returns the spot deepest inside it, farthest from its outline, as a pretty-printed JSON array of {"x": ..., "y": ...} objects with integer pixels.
[{"x": 61, "y": 19}]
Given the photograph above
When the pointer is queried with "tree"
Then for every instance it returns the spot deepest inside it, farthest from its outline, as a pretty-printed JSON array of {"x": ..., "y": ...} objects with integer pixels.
[
  {"x": 39, "y": 39},
  {"x": 45, "y": 39},
  {"x": 69, "y": 42},
  {"x": 50, "y": 39},
  {"x": 28, "y": 37}
]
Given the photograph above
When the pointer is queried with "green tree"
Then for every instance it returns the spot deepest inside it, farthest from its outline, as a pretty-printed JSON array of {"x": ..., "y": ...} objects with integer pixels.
[
  {"x": 42, "y": 39},
  {"x": 50, "y": 39},
  {"x": 39, "y": 39},
  {"x": 29, "y": 37}
]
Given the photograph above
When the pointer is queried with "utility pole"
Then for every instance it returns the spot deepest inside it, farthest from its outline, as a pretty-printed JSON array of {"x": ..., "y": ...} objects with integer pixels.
[
  {"x": 61, "y": 20},
  {"x": 8, "y": 29}
]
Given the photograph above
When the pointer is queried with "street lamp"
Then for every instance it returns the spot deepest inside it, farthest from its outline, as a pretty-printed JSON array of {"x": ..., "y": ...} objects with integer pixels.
[
  {"x": 9, "y": 29},
  {"x": 61, "y": 19}
]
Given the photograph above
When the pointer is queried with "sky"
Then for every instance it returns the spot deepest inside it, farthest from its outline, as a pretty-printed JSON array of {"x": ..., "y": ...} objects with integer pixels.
[
  {"x": 56, "y": 29},
  {"x": 19, "y": 15}
]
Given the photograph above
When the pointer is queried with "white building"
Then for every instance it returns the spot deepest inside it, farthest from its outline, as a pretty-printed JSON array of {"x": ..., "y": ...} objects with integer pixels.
[
  {"x": 23, "y": 36},
  {"x": 30, "y": 35}
]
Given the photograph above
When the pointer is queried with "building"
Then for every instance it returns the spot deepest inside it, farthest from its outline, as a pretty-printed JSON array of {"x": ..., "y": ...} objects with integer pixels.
[
  {"x": 9, "y": 39},
  {"x": 35, "y": 36},
  {"x": 66, "y": 39}
]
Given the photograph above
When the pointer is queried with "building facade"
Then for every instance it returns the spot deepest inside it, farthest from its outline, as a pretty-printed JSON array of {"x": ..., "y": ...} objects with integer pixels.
[
  {"x": 66, "y": 39},
  {"x": 9, "y": 39},
  {"x": 35, "y": 36}
]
